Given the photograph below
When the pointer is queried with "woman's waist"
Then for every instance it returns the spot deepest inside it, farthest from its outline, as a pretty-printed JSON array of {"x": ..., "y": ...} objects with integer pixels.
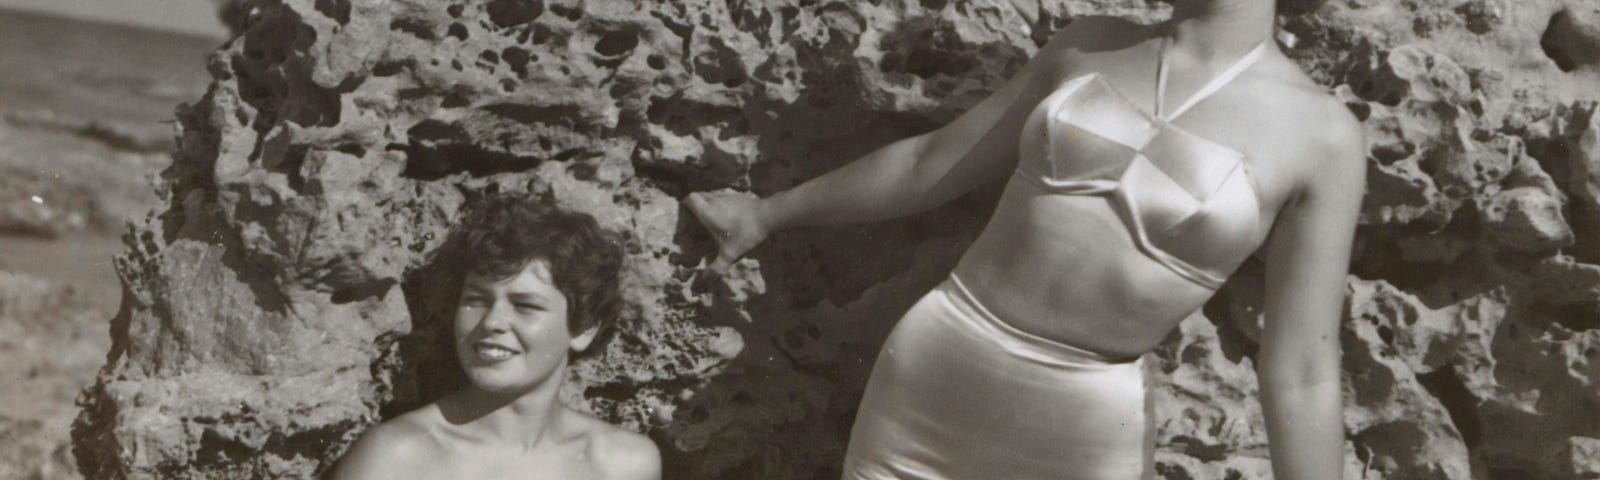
[{"x": 1108, "y": 311}]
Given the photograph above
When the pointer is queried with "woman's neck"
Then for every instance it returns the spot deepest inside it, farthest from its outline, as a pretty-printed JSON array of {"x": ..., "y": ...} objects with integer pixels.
[
  {"x": 525, "y": 420},
  {"x": 1214, "y": 29}
]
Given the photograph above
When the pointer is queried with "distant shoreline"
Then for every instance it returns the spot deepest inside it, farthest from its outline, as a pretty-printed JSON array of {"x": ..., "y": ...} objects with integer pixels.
[{"x": 156, "y": 16}]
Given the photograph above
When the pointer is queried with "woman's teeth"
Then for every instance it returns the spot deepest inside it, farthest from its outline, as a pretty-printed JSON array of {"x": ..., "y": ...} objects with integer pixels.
[{"x": 493, "y": 352}]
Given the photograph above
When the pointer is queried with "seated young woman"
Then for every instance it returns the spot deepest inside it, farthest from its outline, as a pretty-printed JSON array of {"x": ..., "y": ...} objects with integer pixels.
[{"x": 538, "y": 284}]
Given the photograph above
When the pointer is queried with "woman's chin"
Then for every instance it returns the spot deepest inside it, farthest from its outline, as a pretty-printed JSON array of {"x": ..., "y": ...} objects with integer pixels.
[
  {"x": 501, "y": 383},
  {"x": 499, "y": 388}
]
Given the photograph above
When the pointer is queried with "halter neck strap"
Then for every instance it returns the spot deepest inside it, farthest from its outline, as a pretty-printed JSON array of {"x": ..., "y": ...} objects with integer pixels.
[{"x": 1211, "y": 87}]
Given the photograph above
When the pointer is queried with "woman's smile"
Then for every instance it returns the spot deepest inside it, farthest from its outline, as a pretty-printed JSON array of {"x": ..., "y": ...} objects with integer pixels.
[
  {"x": 513, "y": 330},
  {"x": 491, "y": 352}
]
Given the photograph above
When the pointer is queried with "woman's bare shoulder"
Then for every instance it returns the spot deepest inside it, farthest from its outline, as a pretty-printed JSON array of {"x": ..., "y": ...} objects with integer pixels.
[
  {"x": 390, "y": 448},
  {"x": 1330, "y": 140},
  {"x": 1331, "y": 126},
  {"x": 619, "y": 453}
]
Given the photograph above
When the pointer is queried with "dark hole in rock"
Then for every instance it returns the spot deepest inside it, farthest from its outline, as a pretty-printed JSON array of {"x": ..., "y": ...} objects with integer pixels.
[
  {"x": 1194, "y": 447},
  {"x": 413, "y": 27},
  {"x": 1553, "y": 156},
  {"x": 411, "y": 93},
  {"x": 517, "y": 58},
  {"x": 1388, "y": 153},
  {"x": 216, "y": 449},
  {"x": 489, "y": 56},
  {"x": 924, "y": 61},
  {"x": 1360, "y": 109},
  {"x": 1236, "y": 346},
  {"x": 506, "y": 13},
  {"x": 1458, "y": 402},
  {"x": 583, "y": 171},
  {"x": 567, "y": 12},
  {"x": 432, "y": 162},
  {"x": 1477, "y": 16},
  {"x": 1380, "y": 85},
  {"x": 1569, "y": 43},
  {"x": 433, "y": 130},
  {"x": 616, "y": 43},
  {"x": 458, "y": 31},
  {"x": 455, "y": 100},
  {"x": 387, "y": 69},
  {"x": 338, "y": 10},
  {"x": 455, "y": 10},
  {"x": 362, "y": 291},
  {"x": 1193, "y": 354},
  {"x": 352, "y": 149},
  {"x": 1168, "y": 471},
  {"x": 934, "y": 4}
]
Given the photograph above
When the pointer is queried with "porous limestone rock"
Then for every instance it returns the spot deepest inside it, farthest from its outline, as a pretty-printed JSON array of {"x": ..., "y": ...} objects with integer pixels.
[
  {"x": 1526, "y": 219},
  {"x": 281, "y": 301}
]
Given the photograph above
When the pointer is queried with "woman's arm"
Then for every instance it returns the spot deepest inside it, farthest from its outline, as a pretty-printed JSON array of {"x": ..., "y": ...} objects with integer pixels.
[
  {"x": 1307, "y": 259},
  {"x": 924, "y": 171},
  {"x": 904, "y": 177}
]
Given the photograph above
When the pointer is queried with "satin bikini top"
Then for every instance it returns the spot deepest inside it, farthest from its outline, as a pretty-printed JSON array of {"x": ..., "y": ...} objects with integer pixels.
[{"x": 1189, "y": 203}]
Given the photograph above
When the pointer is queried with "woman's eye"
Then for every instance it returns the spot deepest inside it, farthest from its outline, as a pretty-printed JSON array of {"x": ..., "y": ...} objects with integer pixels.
[
  {"x": 530, "y": 307},
  {"x": 471, "y": 302}
]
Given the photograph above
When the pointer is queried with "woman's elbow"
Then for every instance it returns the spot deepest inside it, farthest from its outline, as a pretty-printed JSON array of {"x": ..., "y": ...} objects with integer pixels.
[{"x": 1299, "y": 371}]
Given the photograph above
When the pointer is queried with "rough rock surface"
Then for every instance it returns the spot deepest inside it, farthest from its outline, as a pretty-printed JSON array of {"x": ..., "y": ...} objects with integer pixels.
[{"x": 281, "y": 302}]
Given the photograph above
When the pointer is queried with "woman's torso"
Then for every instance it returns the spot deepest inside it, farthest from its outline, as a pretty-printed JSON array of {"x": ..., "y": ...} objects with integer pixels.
[
  {"x": 451, "y": 449},
  {"x": 1119, "y": 222}
]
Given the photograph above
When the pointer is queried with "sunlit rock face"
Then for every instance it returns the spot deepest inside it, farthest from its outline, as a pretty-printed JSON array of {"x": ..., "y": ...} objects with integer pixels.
[{"x": 284, "y": 299}]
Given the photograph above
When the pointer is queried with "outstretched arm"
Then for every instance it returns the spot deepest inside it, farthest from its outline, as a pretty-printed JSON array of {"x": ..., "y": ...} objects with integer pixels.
[
  {"x": 904, "y": 177},
  {"x": 924, "y": 171},
  {"x": 1307, "y": 259}
]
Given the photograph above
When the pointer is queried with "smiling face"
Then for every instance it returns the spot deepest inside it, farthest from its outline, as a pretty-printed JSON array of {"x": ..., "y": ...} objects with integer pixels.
[{"x": 511, "y": 334}]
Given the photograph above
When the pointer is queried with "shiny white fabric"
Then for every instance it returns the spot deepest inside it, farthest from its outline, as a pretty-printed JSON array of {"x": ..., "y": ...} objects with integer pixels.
[
  {"x": 1188, "y": 202},
  {"x": 956, "y": 393}
]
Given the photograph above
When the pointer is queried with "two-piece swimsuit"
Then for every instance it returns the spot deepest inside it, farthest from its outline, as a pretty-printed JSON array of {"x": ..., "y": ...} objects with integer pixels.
[{"x": 960, "y": 393}]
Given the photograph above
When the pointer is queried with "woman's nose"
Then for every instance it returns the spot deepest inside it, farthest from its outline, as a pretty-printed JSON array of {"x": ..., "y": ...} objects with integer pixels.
[{"x": 495, "y": 319}]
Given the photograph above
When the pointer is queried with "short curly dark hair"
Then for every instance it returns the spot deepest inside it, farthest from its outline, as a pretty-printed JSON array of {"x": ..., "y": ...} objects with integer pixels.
[{"x": 504, "y": 232}]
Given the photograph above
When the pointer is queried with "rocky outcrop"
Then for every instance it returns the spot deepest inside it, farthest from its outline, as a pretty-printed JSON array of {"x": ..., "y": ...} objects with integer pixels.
[{"x": 281, "y": 303}]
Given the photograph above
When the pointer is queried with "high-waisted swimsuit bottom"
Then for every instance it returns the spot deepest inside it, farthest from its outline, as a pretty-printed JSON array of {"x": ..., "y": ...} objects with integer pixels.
[{"x": 957, "y": 393}]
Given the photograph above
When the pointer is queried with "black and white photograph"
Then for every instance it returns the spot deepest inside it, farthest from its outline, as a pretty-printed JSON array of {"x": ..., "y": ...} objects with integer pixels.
[{"x": 800, "y": 239}]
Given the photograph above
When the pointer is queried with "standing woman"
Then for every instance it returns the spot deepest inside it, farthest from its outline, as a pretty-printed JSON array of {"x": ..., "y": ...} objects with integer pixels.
[{"x": 1145, "y": 163}]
